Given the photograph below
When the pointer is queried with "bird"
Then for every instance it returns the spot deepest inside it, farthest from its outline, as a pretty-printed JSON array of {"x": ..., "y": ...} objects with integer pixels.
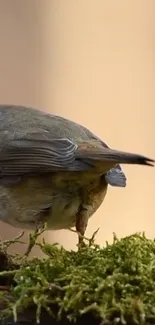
[{"x": 54, "y": 170}]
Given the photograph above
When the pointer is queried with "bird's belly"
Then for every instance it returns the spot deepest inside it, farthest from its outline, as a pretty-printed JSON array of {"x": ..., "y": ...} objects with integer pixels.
[
  {"x": 63, "y": 212},
  {"x": 65, "y": 209},
  {"x": 58, "y": 206},
  {"x": 60, "y": 213}
]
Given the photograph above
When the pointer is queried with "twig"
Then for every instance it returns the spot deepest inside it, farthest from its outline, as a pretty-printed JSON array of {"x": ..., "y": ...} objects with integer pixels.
[
  {"x": 33, "y": 238},
  {"x": 89, "y": 240},
  {"x": 4, "y": 244}
]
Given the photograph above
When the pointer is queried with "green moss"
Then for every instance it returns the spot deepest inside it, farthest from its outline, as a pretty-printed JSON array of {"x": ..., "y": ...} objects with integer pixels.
[{"x": 116, "y": 282}]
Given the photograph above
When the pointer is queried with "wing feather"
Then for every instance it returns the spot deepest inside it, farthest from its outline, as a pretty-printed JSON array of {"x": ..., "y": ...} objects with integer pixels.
[{"x": 36, "y": 153}]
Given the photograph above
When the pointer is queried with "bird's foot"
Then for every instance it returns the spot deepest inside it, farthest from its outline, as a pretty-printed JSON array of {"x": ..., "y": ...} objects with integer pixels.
[
  {"x": 81, "y": 243},
  {"x": 81, "y": 238}
]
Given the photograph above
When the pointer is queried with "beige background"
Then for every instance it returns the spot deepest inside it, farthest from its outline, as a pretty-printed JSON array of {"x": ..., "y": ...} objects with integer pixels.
[{"x": 91, "y": 61}]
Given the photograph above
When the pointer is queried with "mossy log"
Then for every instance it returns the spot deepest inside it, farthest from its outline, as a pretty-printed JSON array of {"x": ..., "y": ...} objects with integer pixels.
[{"x": 107, "y": 285}]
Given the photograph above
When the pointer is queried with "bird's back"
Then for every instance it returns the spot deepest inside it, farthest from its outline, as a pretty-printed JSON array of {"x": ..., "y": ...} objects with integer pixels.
[{"x": 19, "y": 120}]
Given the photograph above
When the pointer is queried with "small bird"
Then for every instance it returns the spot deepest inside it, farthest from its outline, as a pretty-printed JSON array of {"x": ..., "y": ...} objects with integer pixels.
[{"x": 54, "y": 170}]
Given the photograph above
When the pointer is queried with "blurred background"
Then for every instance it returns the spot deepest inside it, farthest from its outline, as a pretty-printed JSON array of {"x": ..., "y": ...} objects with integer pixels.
[{"x": 91, "y": 61}]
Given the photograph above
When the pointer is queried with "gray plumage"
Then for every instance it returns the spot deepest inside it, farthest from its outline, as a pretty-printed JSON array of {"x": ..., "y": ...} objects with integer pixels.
[{"x": 60, "y": 162}]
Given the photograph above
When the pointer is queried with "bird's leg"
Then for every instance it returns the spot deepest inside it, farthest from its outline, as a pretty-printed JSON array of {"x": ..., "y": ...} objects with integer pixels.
[
  {"x": 81, "y": 225},
  {"x": 91, "y": 198}
]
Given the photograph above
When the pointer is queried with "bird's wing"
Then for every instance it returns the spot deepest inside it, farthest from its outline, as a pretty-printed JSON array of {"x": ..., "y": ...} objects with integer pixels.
[{"x": 36, "y": 153}]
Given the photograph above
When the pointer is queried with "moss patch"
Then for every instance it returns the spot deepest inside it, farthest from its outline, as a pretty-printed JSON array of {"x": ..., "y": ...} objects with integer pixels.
[{"x": 115, "y": 282}]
